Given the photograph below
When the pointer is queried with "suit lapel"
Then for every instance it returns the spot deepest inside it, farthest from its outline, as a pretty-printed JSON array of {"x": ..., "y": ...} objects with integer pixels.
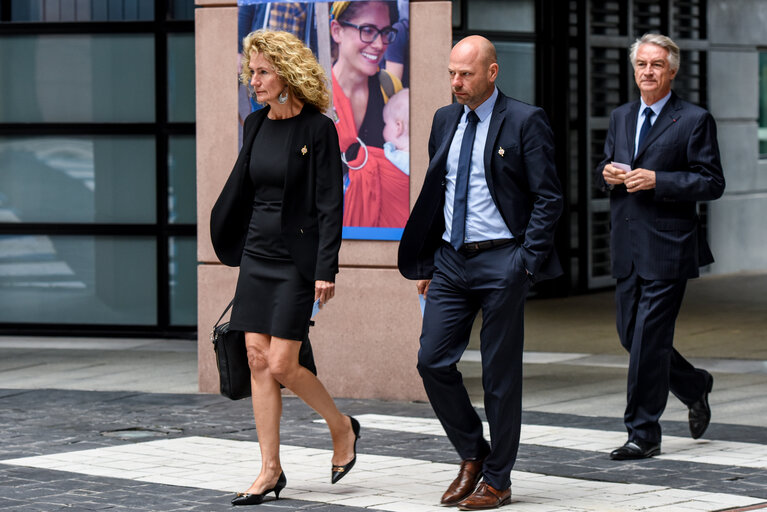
[
  {"x": 631, "y": 127},
  {"x": 496, "y": 121},
  {"x": 666, "y": 118},
  {"x": 440, "y": 156}
]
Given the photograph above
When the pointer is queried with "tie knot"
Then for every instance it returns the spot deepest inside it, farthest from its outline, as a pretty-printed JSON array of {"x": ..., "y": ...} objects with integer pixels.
[
  {"x": 648, "y": 113},
  {"x": 472, "y": 117}
]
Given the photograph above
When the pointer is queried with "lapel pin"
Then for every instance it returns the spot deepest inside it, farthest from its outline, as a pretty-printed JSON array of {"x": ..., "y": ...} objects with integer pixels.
[
  {"x": 304, "y": 150},
  {"x": 501, "y": 151}
]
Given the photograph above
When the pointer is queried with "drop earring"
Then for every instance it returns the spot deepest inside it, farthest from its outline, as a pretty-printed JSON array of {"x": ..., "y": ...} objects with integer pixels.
[{"x": 283, "y": 97}]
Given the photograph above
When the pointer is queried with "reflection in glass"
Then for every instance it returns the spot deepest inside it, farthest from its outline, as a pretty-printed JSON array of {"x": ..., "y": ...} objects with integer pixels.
[
  {"x": 516, "y": 76},
  {"x": 181, "y": 10},
  {"x": 106, "y": 179},
  {"x": 182, "y": 255},
  {"x": 78, "y": 280},
  {"x": 82, "y": 10},
  {"x": 182, "y": 176},
  {"x": 456, "y": 11},
  {"x": 502, "y": 15},
  {"x": 763, "y": 104},
  {"x": 181, "y": 107},
  {"x": 98, "y": 78}
]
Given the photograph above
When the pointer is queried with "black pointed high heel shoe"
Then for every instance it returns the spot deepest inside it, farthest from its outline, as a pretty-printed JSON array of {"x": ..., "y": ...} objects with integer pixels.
[
  {"x": 243, "y": 498},
  {"x": 338, "y": 472}
]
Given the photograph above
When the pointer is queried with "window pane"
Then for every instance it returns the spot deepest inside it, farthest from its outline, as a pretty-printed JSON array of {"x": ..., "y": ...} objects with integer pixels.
[
  {"x": 181, "y": 78},
  {"x": 502, "y": 15},
  {"x": 78, "y": 280},
  {"x": 182, "y": 180},
  {"x": 181, "y": 10},
  {"x": 77, "y": 179},
  {"x": 82, "y": 10},
  {"x": 77, "y": 78},
  {"x": 516, "y": 75},
  {"x": 182, "y": 253},
  {"x": 456, "y": 13},
  {"x": 763, "y": 104}
]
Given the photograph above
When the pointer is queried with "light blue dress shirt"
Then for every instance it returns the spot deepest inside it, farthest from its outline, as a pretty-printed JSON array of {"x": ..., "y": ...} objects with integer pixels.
[
  {"x": 656, "y": 107},
  {"x": 483, "y": 220}
]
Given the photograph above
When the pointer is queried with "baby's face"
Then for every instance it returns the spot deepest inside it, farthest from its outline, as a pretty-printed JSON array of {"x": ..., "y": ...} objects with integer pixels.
[{"x": 390, "y": 128}]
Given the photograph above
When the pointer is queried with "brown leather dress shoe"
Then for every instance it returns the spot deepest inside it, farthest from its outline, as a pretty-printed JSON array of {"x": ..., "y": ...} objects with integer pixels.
[
  {"x": 464, "y": 483},
  {"x": 486, "y": 497}
]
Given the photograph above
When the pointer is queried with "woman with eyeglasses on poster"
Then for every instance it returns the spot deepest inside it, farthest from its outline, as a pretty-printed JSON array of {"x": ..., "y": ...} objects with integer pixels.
[
  {"x": 377, "y": 193},
  {"x": 278, "y": 218}
]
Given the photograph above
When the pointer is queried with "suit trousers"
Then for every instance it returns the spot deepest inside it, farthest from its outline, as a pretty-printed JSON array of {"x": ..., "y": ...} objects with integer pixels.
[
  {"x": 646, "y": 315},
  {"x": 495, "y": 282}
]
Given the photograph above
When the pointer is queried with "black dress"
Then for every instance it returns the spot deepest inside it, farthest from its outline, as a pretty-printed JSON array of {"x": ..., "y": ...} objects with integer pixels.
[{"x": 272, "y": 296}]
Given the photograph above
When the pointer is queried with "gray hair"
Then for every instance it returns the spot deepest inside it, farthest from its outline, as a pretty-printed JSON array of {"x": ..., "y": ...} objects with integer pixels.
[{"x": 664, "y": 42}]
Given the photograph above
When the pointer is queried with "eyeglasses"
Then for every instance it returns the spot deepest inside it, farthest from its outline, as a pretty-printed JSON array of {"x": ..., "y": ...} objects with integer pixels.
[{"x": 369, "y": 33}]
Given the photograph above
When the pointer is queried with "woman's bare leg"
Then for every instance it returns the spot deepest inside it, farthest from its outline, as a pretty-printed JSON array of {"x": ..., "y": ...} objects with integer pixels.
[
  {"x": 284, "y": 367},
  {"x": 267, "y": 409}
]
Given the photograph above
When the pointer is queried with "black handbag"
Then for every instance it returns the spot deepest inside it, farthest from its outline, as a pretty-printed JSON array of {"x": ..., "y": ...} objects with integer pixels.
[{"x": 232, "y": 359}]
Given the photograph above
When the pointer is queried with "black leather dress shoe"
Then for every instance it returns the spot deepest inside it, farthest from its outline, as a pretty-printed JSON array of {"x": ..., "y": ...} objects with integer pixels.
[
  {"x": 700, "y": 412},
  {"x": 635, "y": 450}
]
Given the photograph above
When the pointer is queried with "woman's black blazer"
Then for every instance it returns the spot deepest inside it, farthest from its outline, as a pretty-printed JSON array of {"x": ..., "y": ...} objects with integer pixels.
[{"x": 312, "y": 201}]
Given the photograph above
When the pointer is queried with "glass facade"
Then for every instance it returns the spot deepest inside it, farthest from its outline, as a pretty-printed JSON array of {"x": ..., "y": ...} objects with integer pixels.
[
  {"x": 82, "y": 10},
  {"x": 763, "y": 104},
  {"x": 78, "y": 280},
  {"x": 501, "y": 15},
  {"x": 97, "y": 167},
  {"x": 510, "y": 25},
  {"x": 82, "y": 179},
  {"x": 181, "y": 78},
  {"x": 517, "y": 60},
  {"x": 95, "y": 78}
]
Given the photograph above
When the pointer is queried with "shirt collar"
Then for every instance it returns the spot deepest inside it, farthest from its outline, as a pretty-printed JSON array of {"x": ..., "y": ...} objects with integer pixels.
[
  {"x": 486, "y": 108},
  {"x": 656, "y": 107}
]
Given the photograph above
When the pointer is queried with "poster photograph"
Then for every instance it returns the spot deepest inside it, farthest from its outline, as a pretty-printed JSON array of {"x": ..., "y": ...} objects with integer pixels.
[{"x": 363, "y": 47}]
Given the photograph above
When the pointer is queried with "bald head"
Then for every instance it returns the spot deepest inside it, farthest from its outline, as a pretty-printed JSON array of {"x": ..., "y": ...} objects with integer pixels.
[
  {"x": 477, "y": 47},
  {"x": 473, "y": 69}
]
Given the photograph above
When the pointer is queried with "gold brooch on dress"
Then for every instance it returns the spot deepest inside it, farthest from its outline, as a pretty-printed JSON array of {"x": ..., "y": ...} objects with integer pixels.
[
  {"x": 304, "y": 150},
  {"x": 501, "y": 151}
]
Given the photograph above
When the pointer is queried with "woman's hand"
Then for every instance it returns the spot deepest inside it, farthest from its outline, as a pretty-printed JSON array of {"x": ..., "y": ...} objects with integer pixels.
[{"x": 324, "y": 290}]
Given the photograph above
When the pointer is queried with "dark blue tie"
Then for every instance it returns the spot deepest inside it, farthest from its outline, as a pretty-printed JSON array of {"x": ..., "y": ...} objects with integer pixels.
[
  {"x": 462, "y": 181},
  {"x": 648, "y": 113}
]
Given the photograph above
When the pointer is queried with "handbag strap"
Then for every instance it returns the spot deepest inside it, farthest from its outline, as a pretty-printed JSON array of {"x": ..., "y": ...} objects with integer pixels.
[{"x": 224, "y": 313}]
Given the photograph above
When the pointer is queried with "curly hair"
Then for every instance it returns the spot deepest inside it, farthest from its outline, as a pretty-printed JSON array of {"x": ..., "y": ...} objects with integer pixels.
[{"x": 293, "y": 62}]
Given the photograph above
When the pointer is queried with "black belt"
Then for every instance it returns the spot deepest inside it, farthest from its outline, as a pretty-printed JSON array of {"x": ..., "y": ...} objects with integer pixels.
[{"x": 472, "y": 248}]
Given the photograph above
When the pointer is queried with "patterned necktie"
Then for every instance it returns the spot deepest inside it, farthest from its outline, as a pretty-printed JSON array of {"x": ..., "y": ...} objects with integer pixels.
[
  {"x": 462, "y": 181},
  {"x": 648, "y": 113}
]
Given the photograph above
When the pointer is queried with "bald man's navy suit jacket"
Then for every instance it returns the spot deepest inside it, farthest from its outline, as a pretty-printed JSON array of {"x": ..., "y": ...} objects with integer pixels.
[{"x": 521, "y": 177}]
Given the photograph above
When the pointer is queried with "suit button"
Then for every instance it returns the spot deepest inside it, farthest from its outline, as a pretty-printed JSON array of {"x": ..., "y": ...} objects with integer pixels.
[
  {"x": 301, "y": 230},
  {"x": 626, "y": 219},
  {"x": 444, "y": 183}
]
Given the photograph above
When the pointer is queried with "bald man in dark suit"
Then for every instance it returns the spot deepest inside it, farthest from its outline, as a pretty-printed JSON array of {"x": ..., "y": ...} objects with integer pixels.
[{"x": 481, "y": 232}]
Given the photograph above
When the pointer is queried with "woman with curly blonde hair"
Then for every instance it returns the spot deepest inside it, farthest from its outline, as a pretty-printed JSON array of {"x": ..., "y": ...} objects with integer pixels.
[{"x": 278, "y": 218}]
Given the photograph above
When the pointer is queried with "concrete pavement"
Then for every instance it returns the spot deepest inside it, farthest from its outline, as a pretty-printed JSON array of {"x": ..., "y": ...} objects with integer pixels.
[{"x": 96, "y": 424}]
